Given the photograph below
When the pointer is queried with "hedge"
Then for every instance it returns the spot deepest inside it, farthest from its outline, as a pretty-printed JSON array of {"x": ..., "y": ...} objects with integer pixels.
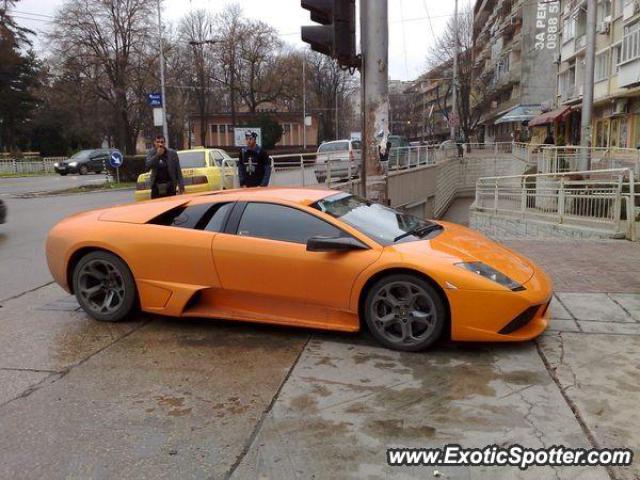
[{"x": 132, "y": 166}]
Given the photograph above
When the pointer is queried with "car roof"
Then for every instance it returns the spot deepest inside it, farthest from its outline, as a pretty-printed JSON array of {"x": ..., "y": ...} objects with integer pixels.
[{"x": 302, "y": 196}]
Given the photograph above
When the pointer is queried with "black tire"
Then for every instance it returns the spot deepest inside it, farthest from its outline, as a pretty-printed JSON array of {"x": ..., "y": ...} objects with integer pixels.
[
  {"x": 83, "y": 170},
  {"x": 63, "y": 174},
  {"x": 98, "y": 172},
  {"x": 99, "y": 275},
  {"x": 404, "y": 312}
]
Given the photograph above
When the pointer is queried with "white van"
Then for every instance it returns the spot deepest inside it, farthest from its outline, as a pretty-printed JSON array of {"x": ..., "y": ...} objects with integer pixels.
[{"x": 338, "y": 159}]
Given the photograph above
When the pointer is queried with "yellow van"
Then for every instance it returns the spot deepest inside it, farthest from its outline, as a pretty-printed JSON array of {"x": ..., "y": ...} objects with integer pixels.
[{"x": 203, "y": 169}]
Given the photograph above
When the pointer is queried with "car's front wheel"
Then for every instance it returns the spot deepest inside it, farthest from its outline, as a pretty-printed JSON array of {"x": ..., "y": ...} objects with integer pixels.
[
  {"x": 404, "y": 312},
  {"x": 83, "y": 170},
  {"x": 104, "y": 286}
]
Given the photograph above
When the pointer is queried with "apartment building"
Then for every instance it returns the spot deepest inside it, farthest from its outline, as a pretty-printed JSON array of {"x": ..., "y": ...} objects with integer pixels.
[
  {"x": 401, "y": 114},
  {"x": 515, "y": 45},
  {"x": 616, "y": 115},
  {"x": 431, "y": 96}
]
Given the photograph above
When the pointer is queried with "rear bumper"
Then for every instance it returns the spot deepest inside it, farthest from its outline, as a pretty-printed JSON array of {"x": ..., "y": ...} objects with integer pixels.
[{"x": 501, "y": 316}]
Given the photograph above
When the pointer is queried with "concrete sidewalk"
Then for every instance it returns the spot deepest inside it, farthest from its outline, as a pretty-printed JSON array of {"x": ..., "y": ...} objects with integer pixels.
[{"x": 162, "y": 398}]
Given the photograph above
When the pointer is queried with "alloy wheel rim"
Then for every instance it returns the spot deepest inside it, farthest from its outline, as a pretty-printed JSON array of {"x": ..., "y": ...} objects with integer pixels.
[
  {"x": 403, "y": 313},
  {"x": 101, "y": 286}
]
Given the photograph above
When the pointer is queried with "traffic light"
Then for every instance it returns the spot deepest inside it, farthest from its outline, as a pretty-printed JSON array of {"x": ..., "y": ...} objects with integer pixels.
[{"x": 336, "y": 34}]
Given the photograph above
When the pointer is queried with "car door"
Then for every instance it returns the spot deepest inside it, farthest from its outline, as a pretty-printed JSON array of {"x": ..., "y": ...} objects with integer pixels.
[{"x": 266, "y": 270}]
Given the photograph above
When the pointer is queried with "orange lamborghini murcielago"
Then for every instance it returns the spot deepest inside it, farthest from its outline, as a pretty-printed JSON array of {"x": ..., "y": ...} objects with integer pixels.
[{"x": 301, "y": 257}]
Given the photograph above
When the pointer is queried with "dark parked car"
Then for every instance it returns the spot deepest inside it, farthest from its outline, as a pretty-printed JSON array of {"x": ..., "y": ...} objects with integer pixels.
[
  {"x": 3, "y": 212},
  {"x": 85, "y": 161}
]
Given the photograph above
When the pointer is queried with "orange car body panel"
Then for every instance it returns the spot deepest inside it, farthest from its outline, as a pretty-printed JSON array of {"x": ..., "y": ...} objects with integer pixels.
[{"x": 236, "y": 277}]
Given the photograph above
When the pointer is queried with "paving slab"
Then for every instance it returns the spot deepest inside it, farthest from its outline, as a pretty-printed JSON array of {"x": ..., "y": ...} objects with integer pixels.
[
  {"x": 629, "y": 302},
  {"x": 345, "y": 403},
  {"x": 558, "y": 311},
  {"x": 594, "y": 307},
  {"x": 43, "y": 330},
  {"x": 559, "y": 325},
  {"x": 599, "y": 374},
  {"x": 174, "y": 399},
  {"x": 17, "y": 382}
]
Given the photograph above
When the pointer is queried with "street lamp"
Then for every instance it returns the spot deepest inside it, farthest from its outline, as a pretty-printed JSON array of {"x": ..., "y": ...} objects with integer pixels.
[{"x": 165, "y": 128}]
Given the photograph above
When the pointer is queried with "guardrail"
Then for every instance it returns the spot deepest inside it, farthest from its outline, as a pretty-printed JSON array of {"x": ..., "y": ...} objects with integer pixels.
[{"x": 595, "y": 198}]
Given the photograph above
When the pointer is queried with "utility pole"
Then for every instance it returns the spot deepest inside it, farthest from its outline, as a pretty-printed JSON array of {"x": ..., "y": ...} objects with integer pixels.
[
  {"x": 584, "y": 162},
  {"x": 374, "y": 27},
  {"x": 337, "y": 136},
  {"x": 453, "y": 116},
  {"x": 165, "y": 128},
  {"x": 304, "y": 102}
]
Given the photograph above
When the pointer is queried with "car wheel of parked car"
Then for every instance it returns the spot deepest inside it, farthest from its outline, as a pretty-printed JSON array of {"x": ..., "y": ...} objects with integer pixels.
[
  {"x": 404, "y": 312},
  {"x": 104, "y": 286},
  {"x": 83, "y": 170},
  {"x": 63, "y": 174}
]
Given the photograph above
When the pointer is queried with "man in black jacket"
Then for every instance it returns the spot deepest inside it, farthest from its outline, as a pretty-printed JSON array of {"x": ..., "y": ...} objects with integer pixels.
[
  {"x": 254, "y": 164},
  {"x": 166, "y": 174}
]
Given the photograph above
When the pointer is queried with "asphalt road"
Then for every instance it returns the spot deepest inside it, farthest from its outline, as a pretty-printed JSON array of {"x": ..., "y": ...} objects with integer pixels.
[
  {"x": 46, "y": 183},
  {"x": 22, "y": 257}
]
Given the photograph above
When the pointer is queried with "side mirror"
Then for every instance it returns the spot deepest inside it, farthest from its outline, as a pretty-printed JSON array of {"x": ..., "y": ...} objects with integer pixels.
[{"x": 334, "y": 244}]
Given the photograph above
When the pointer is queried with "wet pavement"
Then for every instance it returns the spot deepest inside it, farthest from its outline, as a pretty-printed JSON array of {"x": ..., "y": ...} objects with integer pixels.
[
  {"x": 165, "y": 398},
  {"x": 169, "y": 398}
]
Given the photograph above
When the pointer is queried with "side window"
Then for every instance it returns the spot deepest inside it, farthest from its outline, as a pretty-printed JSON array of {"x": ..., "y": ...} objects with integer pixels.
[
  {"x": 277, "y": 222},
  {"x": 217, "y": 217},
  {"x": 204, "y": 216}
]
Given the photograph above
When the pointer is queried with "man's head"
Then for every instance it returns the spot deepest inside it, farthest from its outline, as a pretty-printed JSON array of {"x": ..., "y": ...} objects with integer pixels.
[
  {"x": 250, "y": 137},
  {"x": 159, "y": 142}
]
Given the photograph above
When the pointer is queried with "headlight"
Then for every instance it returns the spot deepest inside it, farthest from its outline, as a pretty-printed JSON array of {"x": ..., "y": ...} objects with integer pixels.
[
  {"x": 492, "y": 274},
  {"x": 73, "y": 164},
  {"x": 56, "y": 165}
]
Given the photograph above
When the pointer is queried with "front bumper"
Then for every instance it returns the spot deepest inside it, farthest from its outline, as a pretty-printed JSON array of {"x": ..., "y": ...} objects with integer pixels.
[
  {"x": 483, "y": 315},
  {"x": 65, "y": 169}
]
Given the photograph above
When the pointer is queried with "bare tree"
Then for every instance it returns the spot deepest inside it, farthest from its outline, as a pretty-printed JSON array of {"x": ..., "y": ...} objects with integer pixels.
[
  {"x": 328, "y": 82},
  {"x": 471, "y": 94},
  {"x": 197, "y": 31},
  {"x": 113, "y": 41}
]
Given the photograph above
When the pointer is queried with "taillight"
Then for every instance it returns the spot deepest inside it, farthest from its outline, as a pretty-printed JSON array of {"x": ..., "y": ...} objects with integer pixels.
[{"x": 200, "y": 180}]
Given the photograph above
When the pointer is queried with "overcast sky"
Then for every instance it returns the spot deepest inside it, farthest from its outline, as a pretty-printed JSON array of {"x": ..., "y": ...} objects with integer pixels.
[{"x": 410, "y": 31}]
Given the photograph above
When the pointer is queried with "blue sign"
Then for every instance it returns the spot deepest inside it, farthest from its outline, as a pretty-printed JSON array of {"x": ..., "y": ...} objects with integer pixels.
[
  {"x": 116, "y": 160},
  {"x": 154, "y": 99}
]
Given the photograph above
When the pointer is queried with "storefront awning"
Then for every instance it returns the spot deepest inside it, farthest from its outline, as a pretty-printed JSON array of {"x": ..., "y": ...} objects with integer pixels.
[
  {"x": 519, "y": 114},
  {"x": 549, "y": 117}
]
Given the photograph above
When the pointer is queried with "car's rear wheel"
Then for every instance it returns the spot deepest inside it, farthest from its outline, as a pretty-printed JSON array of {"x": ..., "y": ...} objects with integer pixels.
[
  {"x": 83, "y": 170},
  {"x": 404, "y": 312},
  {"x": 104, "y": 286},
  {"x": 64, "y": 174}
]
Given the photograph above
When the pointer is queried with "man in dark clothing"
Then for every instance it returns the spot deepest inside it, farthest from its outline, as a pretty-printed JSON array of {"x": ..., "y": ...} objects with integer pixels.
[
  {"x": 166, "y": 174},
  {"x": 254, "y": 164}
]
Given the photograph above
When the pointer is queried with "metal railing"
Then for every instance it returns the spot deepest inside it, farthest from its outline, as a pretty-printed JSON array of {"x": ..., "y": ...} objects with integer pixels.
[
  {"x": 602, "y": 199},
  {"x": 29, "y": 166},
  {"x": 566, "y": 159}
]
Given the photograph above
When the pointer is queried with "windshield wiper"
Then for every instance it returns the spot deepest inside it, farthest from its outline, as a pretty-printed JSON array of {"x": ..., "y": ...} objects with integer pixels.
[{"x": 421, "y": 231}]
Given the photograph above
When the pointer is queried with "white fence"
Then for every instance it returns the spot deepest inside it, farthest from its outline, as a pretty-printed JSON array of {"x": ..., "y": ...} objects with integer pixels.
[
  {"x": 600, "y": 199},
  {"x": 29, "y": 166},
  {"x": 566, "y": 159}
]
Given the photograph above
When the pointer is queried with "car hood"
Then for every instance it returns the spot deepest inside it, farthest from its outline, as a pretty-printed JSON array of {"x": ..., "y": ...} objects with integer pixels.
[{"x": 461, "y": 244}]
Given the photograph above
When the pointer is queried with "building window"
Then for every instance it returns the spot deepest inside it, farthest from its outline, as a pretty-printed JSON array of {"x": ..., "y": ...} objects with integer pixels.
[
  {"x": 631, "y": 43},
  {"x": 569, "y": 29},
  {"x": 223, "y": 129},
  {"x": 602, "y": 66},
  {"x": 616, "y": 58}
]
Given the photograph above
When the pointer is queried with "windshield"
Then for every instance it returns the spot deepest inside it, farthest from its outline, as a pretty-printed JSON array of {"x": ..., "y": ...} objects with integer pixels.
[
  {"x": 380, "y": 223},
  {"x": 192, "y": 159},
  {"x": 81, "y": 155}
]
